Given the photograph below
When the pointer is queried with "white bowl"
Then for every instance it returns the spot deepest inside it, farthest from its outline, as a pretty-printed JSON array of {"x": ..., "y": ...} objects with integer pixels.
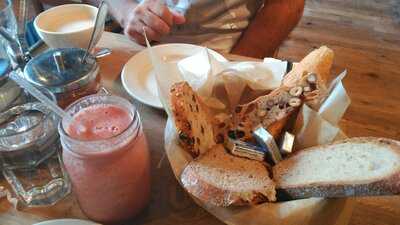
[{"x": 67, "y": 26}]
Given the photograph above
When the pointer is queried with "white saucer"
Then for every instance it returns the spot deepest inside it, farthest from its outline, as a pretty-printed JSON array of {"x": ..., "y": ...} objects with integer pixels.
[
  {"x": 67, "y": 222},
  {"x": 138, "y": 77}
]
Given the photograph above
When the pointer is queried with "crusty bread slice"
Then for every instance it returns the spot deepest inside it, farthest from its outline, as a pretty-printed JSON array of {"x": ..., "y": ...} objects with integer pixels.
[
  {"x": 222, "y": 179},
  {"x": 318, "y": 61},
  {"x": 192, "y": 120},
  {"x": 353, "y": 167}
]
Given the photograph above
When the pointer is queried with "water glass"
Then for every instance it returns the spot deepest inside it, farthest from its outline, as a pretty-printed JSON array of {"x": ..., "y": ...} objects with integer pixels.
[
  {"x": 7, "y": 18},
  {"x": 30, "y": 153},
  {"x": 9, "y": 91}
]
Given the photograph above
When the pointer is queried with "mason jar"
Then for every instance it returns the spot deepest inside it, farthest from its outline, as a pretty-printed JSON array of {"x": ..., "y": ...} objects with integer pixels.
[{"x": 107, "y": 158}]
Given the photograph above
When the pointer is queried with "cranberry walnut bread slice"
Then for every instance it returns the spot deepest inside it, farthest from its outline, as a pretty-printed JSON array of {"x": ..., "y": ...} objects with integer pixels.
[
  {"x": 222, "y": 179},
  {"x": 353, "y": 167},
  {"x": 192, "y": 120},
  {"x": 306, "y": 83}
]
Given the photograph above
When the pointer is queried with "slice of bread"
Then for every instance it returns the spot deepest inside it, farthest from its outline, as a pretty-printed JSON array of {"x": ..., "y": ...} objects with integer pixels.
[
  {"x": 353, "y": 167},
  {"x": 318, "y": 61},
  {"x": 273, "y": 110},
  {"x": 222, "y": 179},
  {"x": 192, "y": 120}
]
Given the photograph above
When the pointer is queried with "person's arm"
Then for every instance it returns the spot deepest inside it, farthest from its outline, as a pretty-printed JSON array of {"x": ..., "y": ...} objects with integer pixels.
[{"x": 269, "y": 28}]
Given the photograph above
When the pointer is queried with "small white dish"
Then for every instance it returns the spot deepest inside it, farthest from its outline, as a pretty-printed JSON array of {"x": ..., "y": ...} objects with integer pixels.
[
  {"x": 67, "y": 222},
  {"x": 67, "y": 26},
  {"x": 138, "y": 77}
]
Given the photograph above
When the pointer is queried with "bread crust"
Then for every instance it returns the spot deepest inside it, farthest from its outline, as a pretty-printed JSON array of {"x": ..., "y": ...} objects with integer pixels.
[{"x": 389, "y": 185}]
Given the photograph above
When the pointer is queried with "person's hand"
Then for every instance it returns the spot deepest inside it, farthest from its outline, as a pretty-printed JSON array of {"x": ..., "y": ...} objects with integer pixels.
[{"x": 154, "y": 17}]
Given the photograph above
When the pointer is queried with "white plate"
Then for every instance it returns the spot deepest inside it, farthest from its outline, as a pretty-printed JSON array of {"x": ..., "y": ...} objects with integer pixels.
[
  {"x": 67, "y": 222},
  {"x": 138, "y": 76}
]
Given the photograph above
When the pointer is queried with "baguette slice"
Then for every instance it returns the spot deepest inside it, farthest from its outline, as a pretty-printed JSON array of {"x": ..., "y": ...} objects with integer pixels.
[
  {"x": 353, "y": 167},
  {"x": 318, "y": 61},
  {"x": 222, "y": 179}
]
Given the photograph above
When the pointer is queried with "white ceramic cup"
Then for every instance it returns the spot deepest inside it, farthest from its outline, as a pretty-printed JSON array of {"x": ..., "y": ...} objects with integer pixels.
[{"x": 67, "y": 26}]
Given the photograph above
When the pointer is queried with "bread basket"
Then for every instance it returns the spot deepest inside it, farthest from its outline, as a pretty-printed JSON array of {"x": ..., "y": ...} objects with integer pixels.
[{"x": 317, "y": 128}]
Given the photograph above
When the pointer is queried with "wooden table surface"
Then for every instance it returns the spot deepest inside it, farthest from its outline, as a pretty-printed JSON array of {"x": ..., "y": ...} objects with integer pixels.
[{"x": 373, "y": 84}]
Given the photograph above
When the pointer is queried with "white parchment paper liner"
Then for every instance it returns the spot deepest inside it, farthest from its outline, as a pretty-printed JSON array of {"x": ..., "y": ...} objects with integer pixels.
[{"x": 311, "y": 128}]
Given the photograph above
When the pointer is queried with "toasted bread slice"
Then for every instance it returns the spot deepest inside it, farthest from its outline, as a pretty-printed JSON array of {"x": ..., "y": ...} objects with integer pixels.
[
  {"x": 223, "y": 179},
  {"x": 271, "y": 111},
  {"x": 192, "y": 120},
  {"x": 353, "y": 167}
]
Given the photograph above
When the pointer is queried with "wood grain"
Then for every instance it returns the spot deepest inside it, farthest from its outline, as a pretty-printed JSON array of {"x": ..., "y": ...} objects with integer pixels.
[{"x": 365, "y": 35}]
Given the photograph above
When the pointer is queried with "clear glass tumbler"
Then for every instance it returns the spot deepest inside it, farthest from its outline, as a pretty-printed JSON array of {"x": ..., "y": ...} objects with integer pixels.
[
  {"x": 30, "y": 150},
  {"x": 30, "y": 153},
  {"x": 110, "y": 174},
  {"x": 9, "y": 90},
  {"x": 7, "y": 18}
]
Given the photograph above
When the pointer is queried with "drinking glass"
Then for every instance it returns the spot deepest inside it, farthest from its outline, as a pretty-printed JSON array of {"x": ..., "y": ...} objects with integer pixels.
[
  {"x": 15, "y": 42},
  {"x": 7, "y": 18},
  {"x": 30, "y": 153},
  {"x": 9, "y": 91},
  {"x": 110, "y": 176}
]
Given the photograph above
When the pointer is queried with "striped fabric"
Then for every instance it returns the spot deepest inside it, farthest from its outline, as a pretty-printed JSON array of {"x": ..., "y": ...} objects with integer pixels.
[{"x": 216, "y": 24}]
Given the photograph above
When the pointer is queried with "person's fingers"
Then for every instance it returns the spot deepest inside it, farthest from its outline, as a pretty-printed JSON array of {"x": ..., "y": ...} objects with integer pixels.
[
  {"x": 135, "y": 32},
  {"x": 135, "y": 36},
  {"x": 178, "y": 18},
  {"x": 155, "y": 23},
  {"x": 163, "y": 12},
  {"x": 151, "y": 34}
]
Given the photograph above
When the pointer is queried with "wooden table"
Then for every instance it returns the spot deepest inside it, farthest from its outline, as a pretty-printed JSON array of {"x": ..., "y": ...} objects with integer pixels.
[{"x": 169, "y": 203}]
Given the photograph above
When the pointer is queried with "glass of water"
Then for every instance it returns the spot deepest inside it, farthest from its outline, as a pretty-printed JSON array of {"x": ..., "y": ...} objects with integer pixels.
[
  {"x": 7, "y": 18},
  {"x": 30, "y": 150},
  {"x": 30, "y": 153}
]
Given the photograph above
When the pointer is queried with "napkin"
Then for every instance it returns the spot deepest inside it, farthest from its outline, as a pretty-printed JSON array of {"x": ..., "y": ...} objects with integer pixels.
[{"x": 206, "y": 75}]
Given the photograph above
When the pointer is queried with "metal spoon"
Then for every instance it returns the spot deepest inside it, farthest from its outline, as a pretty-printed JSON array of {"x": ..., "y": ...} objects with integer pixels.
[
  {"x": 102, "y": 52},
  {"x": 99, "y": 23}
]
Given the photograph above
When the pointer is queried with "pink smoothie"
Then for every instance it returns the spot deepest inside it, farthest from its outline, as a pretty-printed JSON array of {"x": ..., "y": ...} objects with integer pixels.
[
  {"x": 112, "y": 183},
  {"x": 99, "y": 122}
]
